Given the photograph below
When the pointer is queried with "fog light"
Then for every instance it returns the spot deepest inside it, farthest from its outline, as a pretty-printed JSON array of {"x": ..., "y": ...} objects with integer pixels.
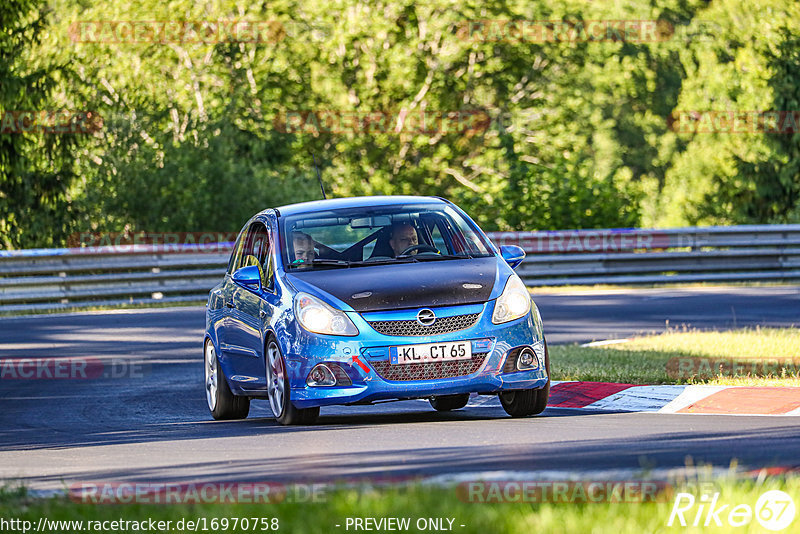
[
  {"x": 527, "y": 360},
  {"x": 321, "y": 375}
]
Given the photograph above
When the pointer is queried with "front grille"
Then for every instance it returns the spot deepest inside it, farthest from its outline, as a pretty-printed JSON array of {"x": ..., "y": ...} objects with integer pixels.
[
  {"x": 442, "y": 325},
  {"x": 428, "y": 371}
]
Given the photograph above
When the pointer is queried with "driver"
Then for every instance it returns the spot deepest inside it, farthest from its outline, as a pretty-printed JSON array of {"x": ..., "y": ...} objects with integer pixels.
[
  {"x": 403, "y": 236},
  {"x": 303, "y": 249}
]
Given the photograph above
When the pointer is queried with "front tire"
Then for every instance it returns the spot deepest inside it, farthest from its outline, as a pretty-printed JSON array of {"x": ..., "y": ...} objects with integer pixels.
[
  {"x": 446, "y": 403},
  {"x": 520, "y": 402},
  {"x": 279, "y": 392},
  {"x": 525, "y": 402},
  {"x": 222, "y": 403}
]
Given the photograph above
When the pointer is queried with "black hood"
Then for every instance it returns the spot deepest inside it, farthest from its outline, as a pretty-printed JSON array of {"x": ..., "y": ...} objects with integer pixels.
[{"x": 406, "y": 285}]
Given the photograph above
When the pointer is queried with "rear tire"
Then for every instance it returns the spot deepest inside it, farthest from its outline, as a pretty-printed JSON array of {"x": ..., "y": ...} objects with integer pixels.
[
  {"x": 446, "y": 403},
  {"x": 222, "y": 403},
  {"x": 279, "y": 392},
  {"x": 524, "y": 402}
]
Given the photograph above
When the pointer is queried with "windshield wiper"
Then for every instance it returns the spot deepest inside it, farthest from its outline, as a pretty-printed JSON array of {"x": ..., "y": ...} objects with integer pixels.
[
  {"x": 321, "y": 261},
  {"x": 381, "y": 261},
  {"x": 432, "y": 257}
]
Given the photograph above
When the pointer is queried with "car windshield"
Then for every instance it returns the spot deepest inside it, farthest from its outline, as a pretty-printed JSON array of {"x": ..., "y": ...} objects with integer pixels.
[{"x": 357, "y": 237}]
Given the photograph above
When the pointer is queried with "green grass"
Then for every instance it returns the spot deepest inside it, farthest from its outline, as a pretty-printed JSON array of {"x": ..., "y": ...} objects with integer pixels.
[
  {"x": 420, "y": 502},
  {"x": 749, "y": 357}
]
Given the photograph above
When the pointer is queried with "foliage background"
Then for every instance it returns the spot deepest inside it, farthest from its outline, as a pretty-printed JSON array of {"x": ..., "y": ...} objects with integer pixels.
[{"x": 579, "y": 136}]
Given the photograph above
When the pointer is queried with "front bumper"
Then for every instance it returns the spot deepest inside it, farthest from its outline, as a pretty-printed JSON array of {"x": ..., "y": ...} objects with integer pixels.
[{"x": 365, "y": 357}]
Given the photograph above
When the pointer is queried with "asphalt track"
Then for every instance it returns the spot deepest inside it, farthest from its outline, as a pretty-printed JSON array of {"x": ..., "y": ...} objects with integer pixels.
[{"x": 151, "y": 424}]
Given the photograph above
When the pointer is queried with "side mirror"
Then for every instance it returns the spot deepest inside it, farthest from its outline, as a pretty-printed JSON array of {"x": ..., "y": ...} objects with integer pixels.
[
  {"x": 512, "y": 254},
  {"x": 249, "y": 277}
]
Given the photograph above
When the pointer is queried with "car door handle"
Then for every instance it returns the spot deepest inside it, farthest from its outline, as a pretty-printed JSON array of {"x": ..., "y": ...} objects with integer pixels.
[
  {"x": 263, "y": 314},
  {"x": 229, "y": 304}
]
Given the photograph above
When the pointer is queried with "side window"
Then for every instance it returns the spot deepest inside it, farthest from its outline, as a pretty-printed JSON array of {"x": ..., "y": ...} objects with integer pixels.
[
  {"x": 252, "y": 248},
  {"x": 268, "y": 271},
  {"x": 236, "y": 255},
  {"x": 256, "y": 241},
  {"x": 265, "y": 257},
  {"x": 257, "y": 250}
]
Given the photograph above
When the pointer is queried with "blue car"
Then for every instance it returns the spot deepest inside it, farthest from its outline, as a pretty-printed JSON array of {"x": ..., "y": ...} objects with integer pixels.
[{"x": 362, "y": 300}]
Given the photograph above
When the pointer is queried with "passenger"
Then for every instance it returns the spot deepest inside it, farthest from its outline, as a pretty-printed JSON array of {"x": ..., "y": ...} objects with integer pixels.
[
  {"x": 303, "y": 250},
  {"x": 402, "y": 236}
]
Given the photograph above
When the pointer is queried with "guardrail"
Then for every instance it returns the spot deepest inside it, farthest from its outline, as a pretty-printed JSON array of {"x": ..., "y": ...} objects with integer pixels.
[
  {"x": 652, "y": 256},
  {"x": 144, "y": 274},
  {"x": 45, "y": 279}
]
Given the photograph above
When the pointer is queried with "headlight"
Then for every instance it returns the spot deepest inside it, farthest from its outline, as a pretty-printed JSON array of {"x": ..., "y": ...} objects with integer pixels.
[
  {"x": 515, "y": 302},
  {"x": 316, "y": 316}
]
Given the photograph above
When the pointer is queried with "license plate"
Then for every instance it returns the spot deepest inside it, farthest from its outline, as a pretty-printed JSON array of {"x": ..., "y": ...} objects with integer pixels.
[{"x": 430, "y": 352}]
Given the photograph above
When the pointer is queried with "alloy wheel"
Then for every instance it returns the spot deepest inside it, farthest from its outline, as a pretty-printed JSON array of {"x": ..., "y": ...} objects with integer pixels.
[
  {"x": 211, "y": 376},
  {"x": 275, "y": 379}
]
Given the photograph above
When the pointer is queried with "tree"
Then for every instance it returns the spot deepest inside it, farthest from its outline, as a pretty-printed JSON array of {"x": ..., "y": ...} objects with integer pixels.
[
  {"x": 36, "y": 168},
  {"x": 751, "y": 67}
]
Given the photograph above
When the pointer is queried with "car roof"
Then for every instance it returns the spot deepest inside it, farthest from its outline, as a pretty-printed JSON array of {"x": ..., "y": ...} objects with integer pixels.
[{"x": 356, "y": 202}]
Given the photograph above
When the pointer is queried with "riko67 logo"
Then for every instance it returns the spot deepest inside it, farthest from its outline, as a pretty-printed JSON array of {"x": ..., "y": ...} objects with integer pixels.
[{"x": 774, "y": 510}]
